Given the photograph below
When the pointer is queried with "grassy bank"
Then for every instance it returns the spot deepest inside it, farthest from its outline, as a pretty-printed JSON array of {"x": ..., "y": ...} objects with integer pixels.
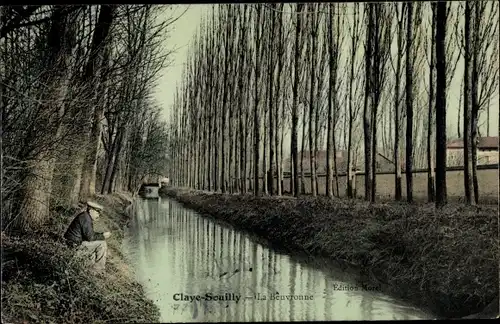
[
  {"x": 42, "y": 282},
  {"x": 442, "y": 260}
]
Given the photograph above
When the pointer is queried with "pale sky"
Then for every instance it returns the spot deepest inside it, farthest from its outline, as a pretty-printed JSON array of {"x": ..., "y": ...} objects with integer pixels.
[{"x": 183, "y": 32}]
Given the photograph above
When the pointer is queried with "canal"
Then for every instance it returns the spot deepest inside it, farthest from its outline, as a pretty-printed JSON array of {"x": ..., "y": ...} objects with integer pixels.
[{"x": 197, "y": 270}]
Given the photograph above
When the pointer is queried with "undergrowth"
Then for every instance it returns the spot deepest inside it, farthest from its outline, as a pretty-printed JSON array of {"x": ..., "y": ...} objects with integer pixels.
[
  {"x": 43, "y": 282},
  {"x": 442, "y": 260}
]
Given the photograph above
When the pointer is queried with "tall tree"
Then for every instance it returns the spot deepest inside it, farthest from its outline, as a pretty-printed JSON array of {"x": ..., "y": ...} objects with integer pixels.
[
  {"x": 271, "y": 102},
  {"x": 259, "y": 52},
  {"x": 376, "y": 56},
  {"x": 331, "y": 86},
  {"x": 431, "y": 114},
  {"x": 397, "y": 102},
  {"x": 440, "y": 106},
  {"x": 367, "y": 127},
  {"x": 312, "y": 59},
  {"x": 243, "y": 69},
  {"x": 280, "y": 100},
  {"x": 353, "y": 102},
  {"x": 225, "y": 97},
  {"x": 485, "y": 71},
  {"x": 87, "y": 185},
  {"x": 295, "y": 104},
  {"x": 409, "y": 103},
  {"x": 468, "y": 186},
  {"x": 35, "y": 195}
]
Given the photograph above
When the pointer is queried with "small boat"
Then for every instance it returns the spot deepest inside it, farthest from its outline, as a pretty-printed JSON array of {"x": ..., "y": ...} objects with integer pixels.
[{"x": 149, "y": 190}]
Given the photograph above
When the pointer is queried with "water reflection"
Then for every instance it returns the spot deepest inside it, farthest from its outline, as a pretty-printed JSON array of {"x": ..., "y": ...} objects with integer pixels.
[{"x": 179, "y": 255}]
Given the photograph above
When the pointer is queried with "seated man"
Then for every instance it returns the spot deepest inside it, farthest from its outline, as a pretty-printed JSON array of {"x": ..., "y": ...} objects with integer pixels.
[{"x": 80, "y": 234}]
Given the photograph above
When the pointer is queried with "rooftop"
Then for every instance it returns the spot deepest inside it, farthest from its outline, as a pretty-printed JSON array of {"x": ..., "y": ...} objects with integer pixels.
[{"x": 484, "y": 143}]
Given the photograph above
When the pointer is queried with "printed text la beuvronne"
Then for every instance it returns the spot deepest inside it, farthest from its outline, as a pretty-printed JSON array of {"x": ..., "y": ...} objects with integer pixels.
[{"x": 236, "y": 297}]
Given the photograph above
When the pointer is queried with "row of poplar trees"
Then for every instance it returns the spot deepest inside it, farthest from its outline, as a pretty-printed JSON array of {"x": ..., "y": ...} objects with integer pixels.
[
  {"x": 374, "y": 76},
  {"x": 78, "y": 115}
]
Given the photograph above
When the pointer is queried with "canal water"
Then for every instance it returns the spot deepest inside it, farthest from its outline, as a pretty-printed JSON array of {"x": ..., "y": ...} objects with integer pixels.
[{"x": 197, "y": 270}]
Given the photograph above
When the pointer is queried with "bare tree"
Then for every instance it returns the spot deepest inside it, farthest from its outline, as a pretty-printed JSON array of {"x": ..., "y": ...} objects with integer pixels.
[
  {"x": 295, "y": 117},
  {"x": 227, "y": 37},
  {"x": 34, "y": 200},
  {"x": 484, "y": 71},
  {"x": 431, "y": 114},
  {"x": 332, "y": 85},
  {"x": 409, "y": 103},
  {"x": 280, "y": 100},
  {"x": 397, "y": 102},
  {"x": 468, "y": 79},
  {"x": 314, "y": 26},
  {"x": 103, "y": 27},
  {"x": 376, "y": 56},
  {"x": 440, "y": 37},
  {"x": 354, "y": 75}
]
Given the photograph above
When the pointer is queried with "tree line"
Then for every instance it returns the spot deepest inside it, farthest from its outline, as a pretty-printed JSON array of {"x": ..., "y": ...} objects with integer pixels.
[
  {"x": 369, "y": 78},
  {"x": 78, "y": 111}
]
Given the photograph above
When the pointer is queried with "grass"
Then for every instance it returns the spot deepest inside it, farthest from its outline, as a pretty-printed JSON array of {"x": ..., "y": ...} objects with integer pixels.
[
  {"x": 440, "y": 260},
  {"x": 42, "y": 282}
]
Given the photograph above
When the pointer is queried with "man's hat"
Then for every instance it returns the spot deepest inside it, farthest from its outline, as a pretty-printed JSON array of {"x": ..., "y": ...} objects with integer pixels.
[{"x": 94, "y": 205}]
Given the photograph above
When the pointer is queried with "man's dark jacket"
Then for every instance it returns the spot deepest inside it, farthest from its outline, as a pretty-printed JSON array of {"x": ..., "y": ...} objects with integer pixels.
[{"x": 81, "y": 229}]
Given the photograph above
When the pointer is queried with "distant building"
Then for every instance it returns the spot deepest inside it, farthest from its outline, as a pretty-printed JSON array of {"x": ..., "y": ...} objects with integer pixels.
[
  {"x": 165, "y": 181},
  {"x": 487, "y": 151},
  {"x": 384, "y": 164}
]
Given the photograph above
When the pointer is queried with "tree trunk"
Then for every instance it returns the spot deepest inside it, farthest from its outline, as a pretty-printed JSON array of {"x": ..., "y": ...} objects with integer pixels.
[
  {"x": 409, "y": 104},
  {"x": 106, "y": 184},
  {"x": 227, "y": 36},
  {"x": 115, "y": 165},
  {"x": 488, "y": 120},
  {"x": 440, "y": 36},
  {"x": 247, "y": 169},
  {"x": 295, "y": 115},
  {"x": 303, "y": 146},
  {"x": 397, "y": 109},
  {"x": 312, "y": 58},
  {"x": 204, "y": 149},
  {"x": 210, "y": 109},
  {"x": 430, "y": 121},
  {"x": 331, "y": 88},
  {"x": 475, "y": 100},
  {"x": 196, "y": 151},
  {"x": 215, "y": 121},
  {"x": 210, "y": 143},
  {"x": 279, "y": 152},
  {"x": 375, "y": 92},
  {"x": 264, "y": 146},
  {"x": 354, "y": 41},
  {"x": 256, "y": 117},
  {"x": 468, "y": 102},
  {"x": 282, "y": 135},
  {"x": 367, "y": 104},
  {"x": 92, "y": 136},
  {"x": 271, "y": 105},
  {"x": 35, "y": 195},
  {"x": 460, "y": 98}
]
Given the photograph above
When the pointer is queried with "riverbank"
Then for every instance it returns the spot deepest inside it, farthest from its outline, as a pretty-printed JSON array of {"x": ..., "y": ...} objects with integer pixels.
[
  {"x": 43, "y": 283},
  {"x": 442, "y": 261}
]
